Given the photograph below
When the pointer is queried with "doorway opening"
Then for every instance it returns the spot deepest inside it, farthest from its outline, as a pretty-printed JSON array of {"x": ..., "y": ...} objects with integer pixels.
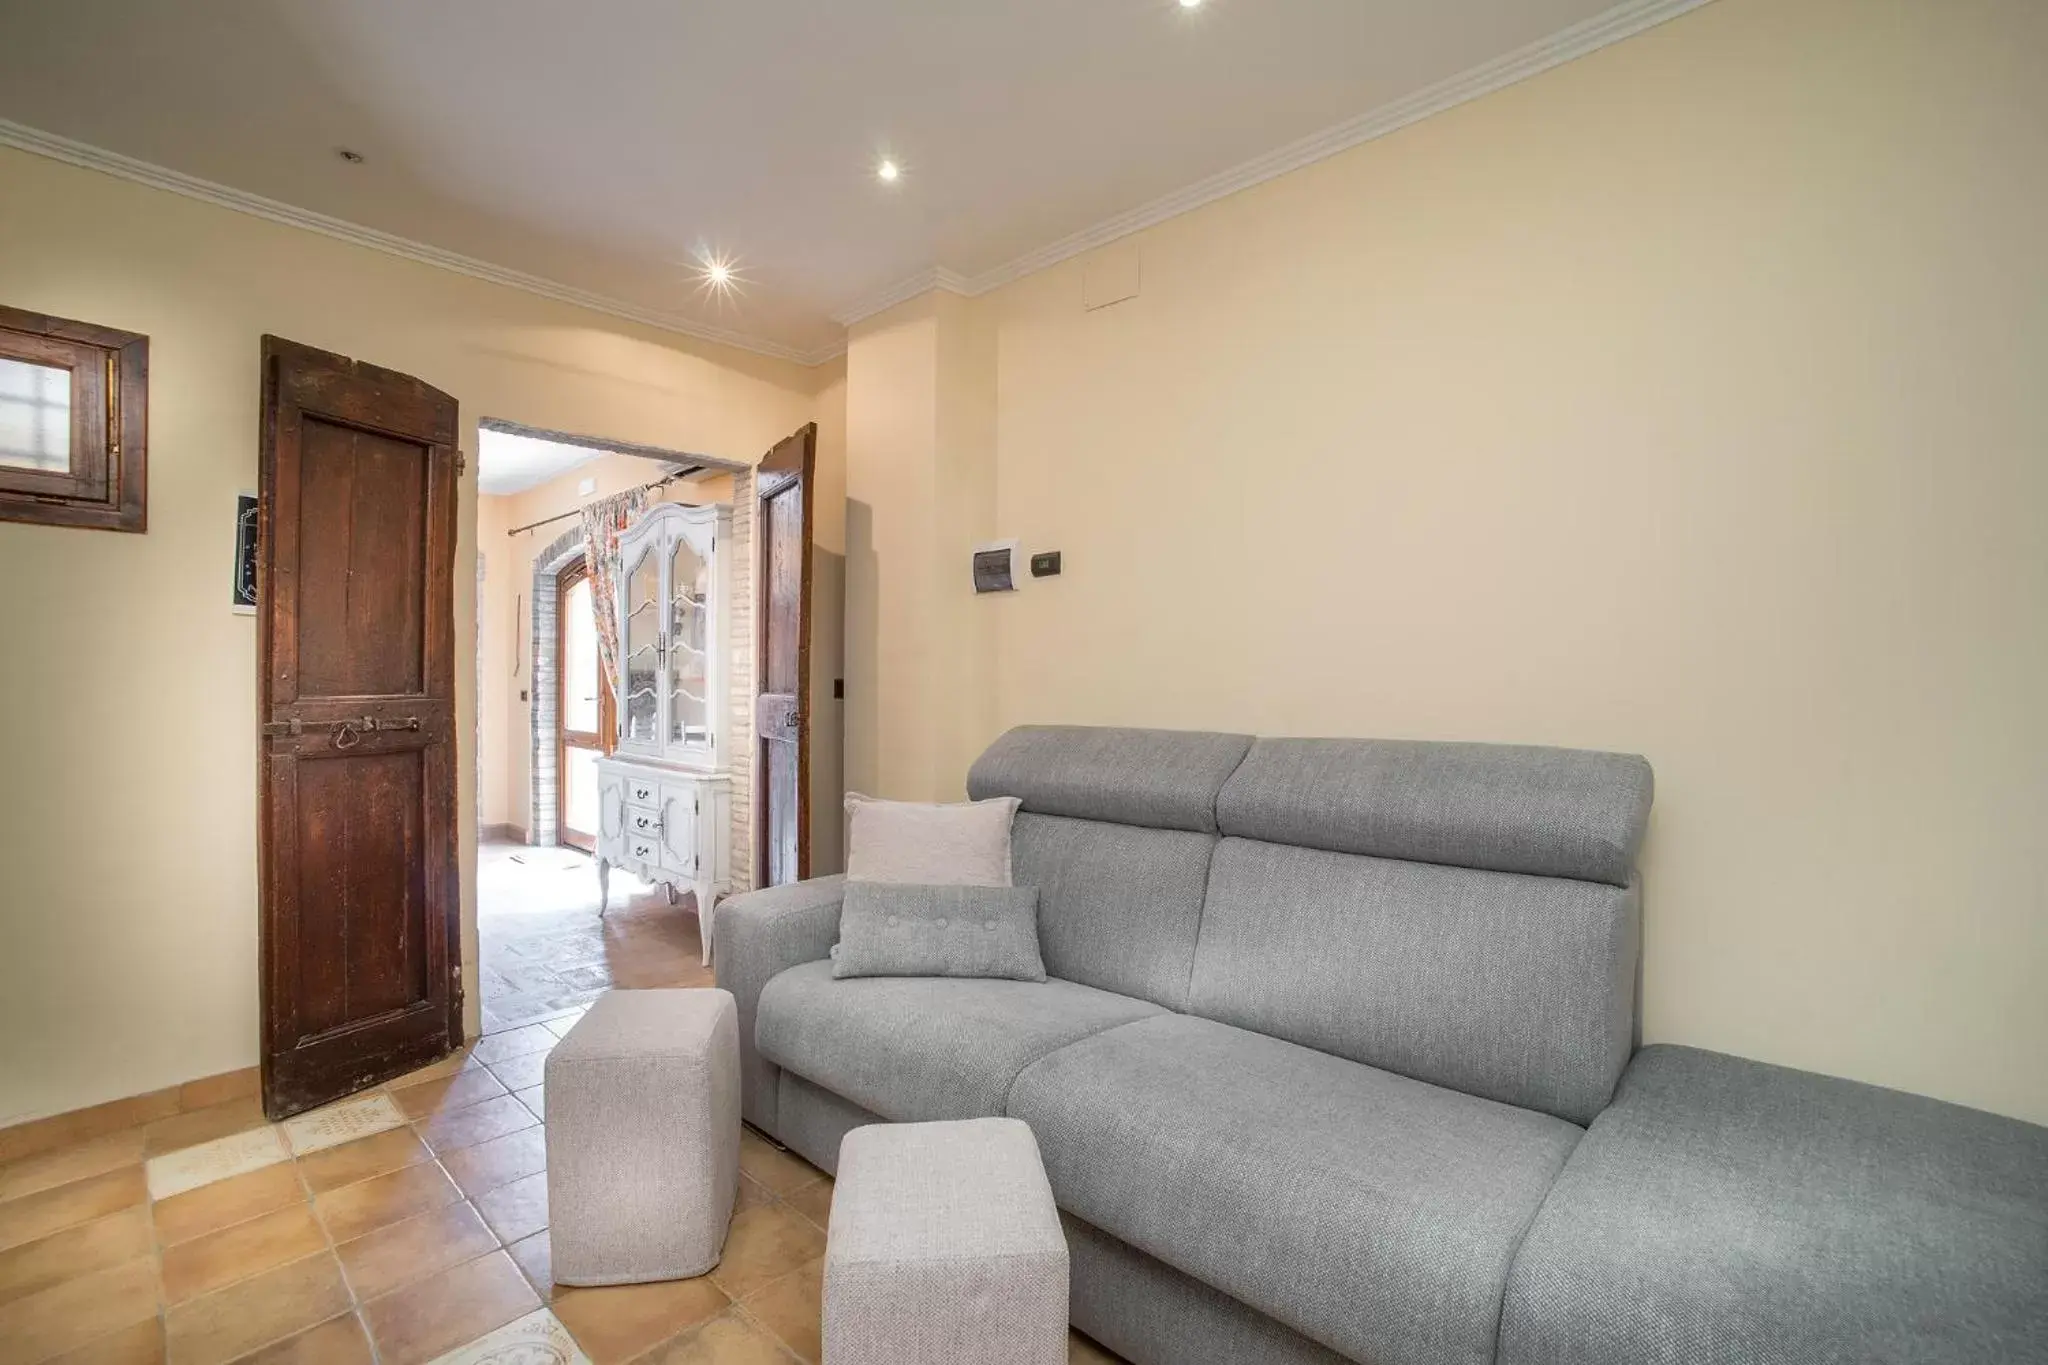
[{"x": 547, "y": 719}]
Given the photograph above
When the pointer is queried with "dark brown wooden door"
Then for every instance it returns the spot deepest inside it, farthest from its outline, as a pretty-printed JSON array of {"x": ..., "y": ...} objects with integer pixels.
[
  {"x": 359, "y": 920},
  {"x": 782, "y": 712}
]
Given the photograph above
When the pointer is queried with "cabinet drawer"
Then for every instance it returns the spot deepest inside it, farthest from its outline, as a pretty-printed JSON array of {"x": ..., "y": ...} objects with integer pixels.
[
  {"x": 642, "y": 848},
  {"x": 641, "y": 820},
  {"x": 642, "y": 791}
]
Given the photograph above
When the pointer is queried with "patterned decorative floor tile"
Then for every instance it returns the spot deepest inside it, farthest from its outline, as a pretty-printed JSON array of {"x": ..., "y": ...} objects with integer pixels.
[
  {"x": 359, "y": 1117},
  {"x": 237, "y": 1154},
  {"x": 536, "y": 1339}
]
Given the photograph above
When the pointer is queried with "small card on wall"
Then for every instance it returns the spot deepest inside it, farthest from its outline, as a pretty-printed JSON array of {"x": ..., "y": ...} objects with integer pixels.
[{"x": 242, "y": 598}]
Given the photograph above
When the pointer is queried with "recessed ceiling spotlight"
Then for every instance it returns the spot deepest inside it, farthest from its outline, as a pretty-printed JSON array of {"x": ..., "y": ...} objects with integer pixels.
[
  {"x": 1190, "y": 4},
  {"x": 350, "y": 155},
  {"x": 888, "y": 172},
  {"x": 718, "y": 275}
]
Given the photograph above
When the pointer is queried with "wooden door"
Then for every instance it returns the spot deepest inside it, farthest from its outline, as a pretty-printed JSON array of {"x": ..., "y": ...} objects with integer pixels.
[
  {"x": 361, "y": 940},
  {"x": 583, "y": 707},
  {"x": 782, "y": 711}
]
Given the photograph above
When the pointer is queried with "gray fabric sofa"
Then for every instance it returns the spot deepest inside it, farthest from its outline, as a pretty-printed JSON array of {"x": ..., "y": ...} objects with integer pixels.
[{"x": 1328, "y": 1070}]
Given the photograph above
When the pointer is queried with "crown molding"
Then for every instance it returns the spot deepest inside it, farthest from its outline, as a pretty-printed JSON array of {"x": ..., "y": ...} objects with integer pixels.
[
  {"x": 923, "y": 282},
  {"x": 1611, "y": 26},
  {"x": 24, "y": 138},
  {"x": 1589, "y": 35}
]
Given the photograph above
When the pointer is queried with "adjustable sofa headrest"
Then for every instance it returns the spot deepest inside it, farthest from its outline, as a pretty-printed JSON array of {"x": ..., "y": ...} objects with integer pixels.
[
  {"x": 1164, "y": 779},
  {"x": 1506, "y": 808}
]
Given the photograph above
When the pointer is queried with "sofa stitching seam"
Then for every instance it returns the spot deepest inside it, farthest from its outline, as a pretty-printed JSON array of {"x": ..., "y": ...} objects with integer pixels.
[{"x": 1216, "y": 836}]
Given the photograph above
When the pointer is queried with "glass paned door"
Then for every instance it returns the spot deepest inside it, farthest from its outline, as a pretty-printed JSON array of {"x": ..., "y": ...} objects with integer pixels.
[
  {"x": 584, "y": 708},
  {"x": 689, "y": 645},
  {"x": 640, "y": 643}
]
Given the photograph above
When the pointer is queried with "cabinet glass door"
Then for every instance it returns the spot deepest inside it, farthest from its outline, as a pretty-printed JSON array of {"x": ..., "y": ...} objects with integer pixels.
[
  {"x": 689, "y": 645},
  {"x": 640, "y": 643}
]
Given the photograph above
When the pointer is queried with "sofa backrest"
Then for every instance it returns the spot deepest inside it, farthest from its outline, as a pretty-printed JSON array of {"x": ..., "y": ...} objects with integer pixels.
[
  {"x": 1116, "y": 829},
  {"x": 1465, "y": 914}
]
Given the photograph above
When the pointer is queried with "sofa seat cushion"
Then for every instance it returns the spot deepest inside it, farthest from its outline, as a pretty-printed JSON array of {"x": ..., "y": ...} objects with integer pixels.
[
  {"x": 1373, "y": 1213},
  {"x": 919, "y": 1049},
  {"x": 1723, "y": 1209}
]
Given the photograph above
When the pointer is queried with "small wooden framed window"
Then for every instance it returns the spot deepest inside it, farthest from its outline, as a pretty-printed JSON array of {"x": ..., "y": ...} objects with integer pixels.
[{"x": 74, "y": 423}]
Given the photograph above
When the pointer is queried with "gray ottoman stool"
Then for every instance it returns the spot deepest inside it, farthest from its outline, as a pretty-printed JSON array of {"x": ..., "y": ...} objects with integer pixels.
[
  {"x": 643, "y": 1137},
  {"x": 944, "y": 1247}
]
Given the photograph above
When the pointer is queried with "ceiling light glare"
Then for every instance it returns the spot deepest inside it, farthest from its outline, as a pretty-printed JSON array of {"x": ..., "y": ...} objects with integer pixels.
[{"x": 718, "y": 277}]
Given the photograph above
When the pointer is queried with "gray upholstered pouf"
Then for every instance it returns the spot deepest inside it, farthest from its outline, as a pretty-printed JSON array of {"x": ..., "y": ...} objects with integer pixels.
[
  {"x": 945, "y": 1246},
  {"x": 643, "y": 1137}
]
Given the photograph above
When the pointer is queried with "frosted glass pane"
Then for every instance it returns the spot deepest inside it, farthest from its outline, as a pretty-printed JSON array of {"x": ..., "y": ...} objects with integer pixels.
[
  {"x": 642, "y": 647},
  {"x": 689, "y": 646},
  {"x": 580, "y": 782},
  {"x": 35, "y": 416},
  {"x": 579, "y": 661}
]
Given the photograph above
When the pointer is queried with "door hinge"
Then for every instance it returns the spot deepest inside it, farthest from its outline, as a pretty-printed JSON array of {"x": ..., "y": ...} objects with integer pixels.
[{"x": 461, "y": 463}]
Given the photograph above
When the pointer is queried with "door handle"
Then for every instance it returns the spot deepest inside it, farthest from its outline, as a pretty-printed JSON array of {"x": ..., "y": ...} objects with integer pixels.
[{"x": 349, "y": 733}]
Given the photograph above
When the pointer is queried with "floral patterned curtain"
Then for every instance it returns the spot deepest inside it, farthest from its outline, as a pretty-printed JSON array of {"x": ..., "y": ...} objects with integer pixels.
[{"x": 603, "y": 521}]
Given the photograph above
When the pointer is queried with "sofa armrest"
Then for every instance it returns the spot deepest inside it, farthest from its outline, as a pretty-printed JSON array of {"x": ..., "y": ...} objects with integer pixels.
[{"x": 759, "y": 934}]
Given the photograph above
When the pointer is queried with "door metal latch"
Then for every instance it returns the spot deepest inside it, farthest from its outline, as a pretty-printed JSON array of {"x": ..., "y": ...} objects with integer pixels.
[{"x": 347, "y": 733}]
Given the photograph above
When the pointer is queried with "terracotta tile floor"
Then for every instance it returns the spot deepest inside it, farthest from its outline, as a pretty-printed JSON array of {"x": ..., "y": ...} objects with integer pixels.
[
  {"x": 544, "y": 950},
  {"x": 419, "y": 1234}
]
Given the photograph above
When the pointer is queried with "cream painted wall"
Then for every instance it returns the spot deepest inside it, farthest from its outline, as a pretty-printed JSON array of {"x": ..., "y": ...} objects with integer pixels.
[
  {"x": 892, "y": 707},
  {"x": 921, "y": 492},
  {"x": 127, "y": 689},
  {"x": 964, "y": 511},
  {"x": 1688, "y": 400},
  {"x": 497, "y": 590}
]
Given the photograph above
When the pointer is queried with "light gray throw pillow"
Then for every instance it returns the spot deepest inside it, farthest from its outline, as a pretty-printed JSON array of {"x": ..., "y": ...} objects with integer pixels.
[
  {"x": 896, "y": 929},
  {"x": 965, "y": 843}
]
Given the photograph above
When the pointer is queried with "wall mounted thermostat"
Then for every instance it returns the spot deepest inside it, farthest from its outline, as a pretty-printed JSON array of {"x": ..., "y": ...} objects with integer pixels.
[{"x": 995, "y": 566}]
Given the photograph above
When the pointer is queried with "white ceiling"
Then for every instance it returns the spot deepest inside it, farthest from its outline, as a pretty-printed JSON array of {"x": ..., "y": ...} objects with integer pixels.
[
  {"x": 604, "y": 145},
  {"x": 511, "y": 462}
]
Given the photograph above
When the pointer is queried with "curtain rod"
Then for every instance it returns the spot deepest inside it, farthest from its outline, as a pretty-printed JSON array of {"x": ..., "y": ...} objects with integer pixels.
[{"x": 644, "y": 488}]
